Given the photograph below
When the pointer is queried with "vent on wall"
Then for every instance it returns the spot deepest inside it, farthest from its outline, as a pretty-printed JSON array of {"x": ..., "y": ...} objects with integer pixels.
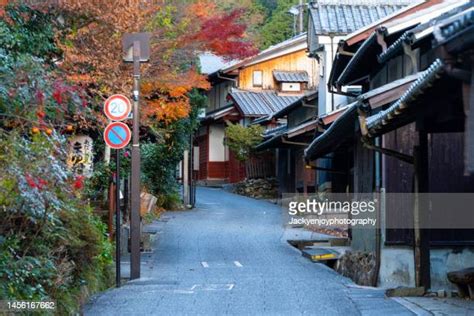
[{"x": 290, "y": 86}]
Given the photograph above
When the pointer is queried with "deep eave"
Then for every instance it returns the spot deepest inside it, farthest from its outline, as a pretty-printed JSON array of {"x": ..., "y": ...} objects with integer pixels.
[{"x": 343, "y": 128}]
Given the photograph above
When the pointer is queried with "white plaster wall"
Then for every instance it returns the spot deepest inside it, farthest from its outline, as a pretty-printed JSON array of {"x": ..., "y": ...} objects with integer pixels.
[
  {"x": 328, "y": 102},
  {"x": 397, "y": 267},
  {"x": 444, "y": 260},
  {"x": 217, "y": 150}
]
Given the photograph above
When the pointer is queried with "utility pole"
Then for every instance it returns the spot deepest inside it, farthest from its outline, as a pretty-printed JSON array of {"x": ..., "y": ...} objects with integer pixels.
[
  {"x": 135, "y": 172},
  {"x": 136, "y": 47},
  {"x": 301, "y": 16},
  {"x": 186, "y": 178},
  {"x": 298, "y": 14}
]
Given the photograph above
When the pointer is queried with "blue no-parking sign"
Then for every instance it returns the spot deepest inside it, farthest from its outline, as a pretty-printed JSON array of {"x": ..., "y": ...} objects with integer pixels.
[{"x": 117, "y": 135}]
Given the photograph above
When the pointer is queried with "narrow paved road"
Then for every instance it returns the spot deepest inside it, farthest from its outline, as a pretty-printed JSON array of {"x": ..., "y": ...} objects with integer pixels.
[{"x": 227, "y": 257}]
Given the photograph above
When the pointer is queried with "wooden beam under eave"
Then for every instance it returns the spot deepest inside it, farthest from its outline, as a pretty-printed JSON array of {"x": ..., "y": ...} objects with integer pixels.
[{"x": 388, "y": 96}]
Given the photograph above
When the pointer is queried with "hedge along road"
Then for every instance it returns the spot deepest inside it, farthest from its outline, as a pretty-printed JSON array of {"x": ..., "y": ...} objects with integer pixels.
[{"x": 227, "y": 256}]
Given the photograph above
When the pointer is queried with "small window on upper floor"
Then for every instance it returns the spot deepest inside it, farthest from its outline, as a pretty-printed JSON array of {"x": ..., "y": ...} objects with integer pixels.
[{"x": 257, "y": 78}]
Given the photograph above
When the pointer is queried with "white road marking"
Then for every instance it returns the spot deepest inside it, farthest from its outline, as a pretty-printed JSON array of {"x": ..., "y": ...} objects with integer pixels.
[
  {"x": 238, "y": 264},
  {"x": 183, "y": 292},
  {"x": 205, "y": 264},
  {"x": 212, "y": 287}
]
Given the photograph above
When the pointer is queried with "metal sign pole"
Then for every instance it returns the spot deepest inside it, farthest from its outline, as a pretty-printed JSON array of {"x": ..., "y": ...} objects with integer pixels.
[
  {"x": 135, "y": 190},
  {"x": 117, "y": 218}
]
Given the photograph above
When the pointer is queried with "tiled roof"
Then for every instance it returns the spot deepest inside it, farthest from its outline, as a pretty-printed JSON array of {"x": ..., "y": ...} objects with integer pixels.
[
  {"x": 344, "y": 17},
  {"x": 341, "y": 129},
  {"x": 260, "y": 103},
  {"x": 456, "y": 25},
  {"x": 290, "y": 76},
  {"x": 395, "y": 111},
  {"x": 303, "y": 127},
  {"x": 218, "y": 113},
  {"x": 275, "y": 131},
  {"x": 309, "y": 96},
  {"x": 211, "y": 63},
  {"x": 461, "y": 16},
  {"x": 417, "y": 26}
]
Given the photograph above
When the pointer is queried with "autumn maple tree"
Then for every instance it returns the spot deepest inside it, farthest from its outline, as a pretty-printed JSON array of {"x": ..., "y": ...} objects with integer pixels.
[{"x": 90, "y": 40}]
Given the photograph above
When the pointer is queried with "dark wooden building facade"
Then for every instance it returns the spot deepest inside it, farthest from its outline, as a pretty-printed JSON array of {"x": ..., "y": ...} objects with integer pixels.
[{"x": 409, "y": 133}]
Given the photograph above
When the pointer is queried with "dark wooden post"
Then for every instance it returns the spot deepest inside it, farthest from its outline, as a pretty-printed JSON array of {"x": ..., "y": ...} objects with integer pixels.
[
  {"x": 110, "y": 223},
  {"x": 469, "y": 128},
  {"x": 421, "y": 213}
]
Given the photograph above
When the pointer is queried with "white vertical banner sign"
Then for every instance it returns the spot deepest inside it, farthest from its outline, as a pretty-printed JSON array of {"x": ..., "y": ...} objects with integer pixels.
[{"x": 80, "y": 155}]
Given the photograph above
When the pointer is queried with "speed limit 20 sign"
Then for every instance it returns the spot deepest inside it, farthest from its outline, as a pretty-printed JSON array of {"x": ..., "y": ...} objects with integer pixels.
[{"x": 117, "y": 107}]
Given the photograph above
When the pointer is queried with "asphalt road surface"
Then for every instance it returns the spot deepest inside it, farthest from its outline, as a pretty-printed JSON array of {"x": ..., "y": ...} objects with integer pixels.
[{"x": 227, "y": 257}]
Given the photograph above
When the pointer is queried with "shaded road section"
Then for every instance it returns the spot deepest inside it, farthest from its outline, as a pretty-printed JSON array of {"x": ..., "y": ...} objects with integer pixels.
[{"x": 227, "y": 257}]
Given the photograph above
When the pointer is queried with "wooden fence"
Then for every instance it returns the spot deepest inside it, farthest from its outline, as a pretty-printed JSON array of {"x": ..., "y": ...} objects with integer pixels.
[{"x": 262, "y": 167}]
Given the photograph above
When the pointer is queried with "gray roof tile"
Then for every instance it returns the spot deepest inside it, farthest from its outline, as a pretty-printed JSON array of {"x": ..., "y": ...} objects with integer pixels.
[
  {"x": 290, "y": 76},
  {"x": 346, "y": 18},
  {"x": 394, "y": 112},
  {"x": 260, "y": 103}
]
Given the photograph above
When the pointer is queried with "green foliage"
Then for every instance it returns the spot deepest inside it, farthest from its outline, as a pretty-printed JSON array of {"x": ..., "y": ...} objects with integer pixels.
[
  {"x": 279, "y": 25},
  {"x": 51, "y": 243},
  {"x": 242, "y": 140},
  {"x": 160, "y": 159},
  {"x": 33, "y": 93},
  {"x": 269, "y": 5},
  {"x": 28, "y": 31},
  {"x": 97, "y": 186}
]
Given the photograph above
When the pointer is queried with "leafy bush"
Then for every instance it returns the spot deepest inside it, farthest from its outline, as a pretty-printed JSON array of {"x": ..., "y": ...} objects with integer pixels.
[
  {"x": 51, "y": 244},
  {"x": 160, "y": 158},
  {"x": 25, "y": 30},
  {"x": 242, "y": 140}
]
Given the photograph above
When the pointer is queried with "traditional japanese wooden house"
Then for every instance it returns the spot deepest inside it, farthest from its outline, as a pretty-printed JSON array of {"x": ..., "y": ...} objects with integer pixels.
[
  {"x": 288, "y": 142},
  {"x": 405, "y": 134},
  {"x": 328, "y": 22},
  {"x": 247, "y": 91}
]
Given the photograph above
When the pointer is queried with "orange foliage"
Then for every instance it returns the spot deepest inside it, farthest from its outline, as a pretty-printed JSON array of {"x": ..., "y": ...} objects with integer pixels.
[
  {"x": 202, "y": 9},
  {"x": 180, "y": 30},
  {"x": 167, "y": 111},
  {"x": 167, "y": 98}
]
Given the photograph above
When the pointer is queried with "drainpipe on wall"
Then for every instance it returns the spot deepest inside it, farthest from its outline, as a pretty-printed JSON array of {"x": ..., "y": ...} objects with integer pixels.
[
  {"x": 331, "y": 36},
  {"x": 378, "y": 230},
  {"x": 186, "y": 177},
  {"x": 300, "y": 17}
]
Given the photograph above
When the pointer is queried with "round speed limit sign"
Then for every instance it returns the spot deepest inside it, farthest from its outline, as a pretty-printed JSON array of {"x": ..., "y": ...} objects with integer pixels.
[{"x": 117, "y": 107}]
